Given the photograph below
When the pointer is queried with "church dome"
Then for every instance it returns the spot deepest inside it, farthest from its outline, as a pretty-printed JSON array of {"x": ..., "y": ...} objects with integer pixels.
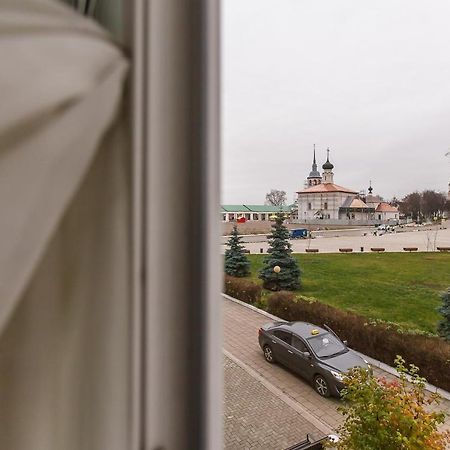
[
  {"x": 327, "y": 165},
  {"x": 314, "y": 174}
]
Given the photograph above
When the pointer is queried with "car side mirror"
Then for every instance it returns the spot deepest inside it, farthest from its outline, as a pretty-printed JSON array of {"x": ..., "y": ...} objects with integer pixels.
[{"x": 345, "y": 342}]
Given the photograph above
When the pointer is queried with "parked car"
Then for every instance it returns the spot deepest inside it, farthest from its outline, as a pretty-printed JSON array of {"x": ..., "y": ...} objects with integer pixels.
[
  {"x": 299, "y": 233},
  {"x": 315, "y": 353}
]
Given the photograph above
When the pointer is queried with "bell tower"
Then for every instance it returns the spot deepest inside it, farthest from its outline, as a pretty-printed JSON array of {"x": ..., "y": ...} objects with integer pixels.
[
  {"x": 314, "y": 177},
  {"x": 327, "y": 176}
]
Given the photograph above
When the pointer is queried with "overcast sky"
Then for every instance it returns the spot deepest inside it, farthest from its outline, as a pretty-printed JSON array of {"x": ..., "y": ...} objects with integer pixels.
[{"x": 369, "y": 79}]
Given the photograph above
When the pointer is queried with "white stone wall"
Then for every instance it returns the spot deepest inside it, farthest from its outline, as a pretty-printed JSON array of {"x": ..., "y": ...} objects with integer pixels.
[
  {"x": 334, "y": 201},
  {"x": 358, "y": 216},
  {"x": 387, "y": 216}
]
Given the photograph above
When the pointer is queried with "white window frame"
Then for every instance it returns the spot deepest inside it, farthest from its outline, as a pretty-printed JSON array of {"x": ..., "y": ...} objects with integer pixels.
[{"x": 176, "y": 357}]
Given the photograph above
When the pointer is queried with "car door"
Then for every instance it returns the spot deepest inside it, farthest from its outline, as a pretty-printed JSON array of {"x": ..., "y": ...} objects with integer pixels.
[
  {"x": 301, "y": 357},
  {"x": 282, "y": 347}
]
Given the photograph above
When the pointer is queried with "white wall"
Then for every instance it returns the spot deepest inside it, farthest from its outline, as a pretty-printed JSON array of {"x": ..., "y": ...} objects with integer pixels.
[{"x": 318, "y": 200}]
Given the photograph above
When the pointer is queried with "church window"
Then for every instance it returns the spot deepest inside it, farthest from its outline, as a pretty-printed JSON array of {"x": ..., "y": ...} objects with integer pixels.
[
  {"x": 325, "y": 205},
  {"x": 309, "y": 205}
]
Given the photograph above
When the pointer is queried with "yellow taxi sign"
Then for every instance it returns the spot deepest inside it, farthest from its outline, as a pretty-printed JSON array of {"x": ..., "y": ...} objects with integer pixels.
[{"x": 314, "y": 332}]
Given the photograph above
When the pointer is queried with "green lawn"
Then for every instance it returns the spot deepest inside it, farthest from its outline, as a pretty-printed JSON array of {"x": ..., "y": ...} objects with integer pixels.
[{"x": 396, "y": 287}]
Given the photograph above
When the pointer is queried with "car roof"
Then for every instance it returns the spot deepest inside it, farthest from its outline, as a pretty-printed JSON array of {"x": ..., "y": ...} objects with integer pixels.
[{"x": 302, "y": 329}]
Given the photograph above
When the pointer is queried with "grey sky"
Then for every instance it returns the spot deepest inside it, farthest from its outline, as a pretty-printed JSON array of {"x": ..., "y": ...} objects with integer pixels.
[{"x": 369, "y": 79}]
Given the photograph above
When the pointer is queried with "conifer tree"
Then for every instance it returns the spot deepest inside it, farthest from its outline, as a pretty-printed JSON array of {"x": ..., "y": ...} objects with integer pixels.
[
  {"x": 444, "y": 324},
  {"x": 236, "y": 262},
  {"x": 279, "y": 256}
]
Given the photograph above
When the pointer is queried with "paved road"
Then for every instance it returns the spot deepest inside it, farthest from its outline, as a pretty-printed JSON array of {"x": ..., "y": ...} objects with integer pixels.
[
  {"x": 241, "y": 326},
  {"x": 424, "y": 240}
]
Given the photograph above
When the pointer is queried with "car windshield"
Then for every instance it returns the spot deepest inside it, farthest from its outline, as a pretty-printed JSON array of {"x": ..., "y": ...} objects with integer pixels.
[{"x": 326, "y": 345}]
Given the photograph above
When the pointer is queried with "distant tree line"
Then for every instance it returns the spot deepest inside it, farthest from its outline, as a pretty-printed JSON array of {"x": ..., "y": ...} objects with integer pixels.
[{"x": 425, "y": 205}]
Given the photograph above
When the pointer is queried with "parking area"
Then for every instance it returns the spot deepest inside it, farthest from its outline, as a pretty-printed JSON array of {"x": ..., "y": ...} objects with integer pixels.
[
  {"x": 330, "y": 242},
  {"x": 244, "y": 400},
  {"x": 241, "y": 327},
  {"x": 255, "y": 417}
]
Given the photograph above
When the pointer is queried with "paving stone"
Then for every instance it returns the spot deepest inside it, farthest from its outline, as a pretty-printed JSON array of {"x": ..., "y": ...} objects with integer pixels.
[
  {"x": 241, "y": 325},
  {"x": 255, "y": 418}
]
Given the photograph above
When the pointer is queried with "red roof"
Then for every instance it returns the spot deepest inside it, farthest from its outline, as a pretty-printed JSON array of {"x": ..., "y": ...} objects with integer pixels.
[
  {"x": 326, "y": 187},
  {"x": 386, "y": 207}
]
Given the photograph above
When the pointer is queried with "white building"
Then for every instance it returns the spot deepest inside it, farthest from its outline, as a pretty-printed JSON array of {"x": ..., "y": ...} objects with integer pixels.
[
  {"x": 231, "y": 213},
  {"x": 323, "y": 201}
]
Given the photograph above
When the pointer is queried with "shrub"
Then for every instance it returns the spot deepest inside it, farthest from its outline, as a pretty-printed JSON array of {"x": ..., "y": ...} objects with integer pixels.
[
  {"x": 281, "y": 304},
  {"x": 244, "y": 290},
  {"x": 379, "y": 340},
  {"x": 381, "y": 414},
  {"x": 444, "y": 324}
]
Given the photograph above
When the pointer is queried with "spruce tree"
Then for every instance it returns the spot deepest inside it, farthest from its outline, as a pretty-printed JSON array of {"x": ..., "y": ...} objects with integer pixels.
[
  {"x": 444, "y": 324},
  {"x": 279, "y": 254},
  {"x": 236, "y": 262}
]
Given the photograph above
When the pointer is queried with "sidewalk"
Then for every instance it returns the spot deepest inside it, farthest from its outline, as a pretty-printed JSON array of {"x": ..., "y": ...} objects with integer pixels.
[
  {"x": 256, "y": 417},
  {"x": 241, "y": 326}
]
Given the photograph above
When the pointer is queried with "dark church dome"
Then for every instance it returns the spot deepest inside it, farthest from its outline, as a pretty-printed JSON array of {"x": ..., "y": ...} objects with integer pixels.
[{"x": 327, "y": 165}]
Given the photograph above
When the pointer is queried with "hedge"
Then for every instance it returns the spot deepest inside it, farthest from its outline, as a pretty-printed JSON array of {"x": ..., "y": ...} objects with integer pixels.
[
  {"x": 379, "y": 340},
  {"x": 242, "y": 289}
]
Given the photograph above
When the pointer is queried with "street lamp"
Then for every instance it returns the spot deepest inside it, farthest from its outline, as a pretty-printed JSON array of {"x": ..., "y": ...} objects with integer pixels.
[{"x": 277, "y": 269}]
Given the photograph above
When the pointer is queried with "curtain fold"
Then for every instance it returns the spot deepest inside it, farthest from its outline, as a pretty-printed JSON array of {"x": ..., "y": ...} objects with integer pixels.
[{"x": 64, "y": 232}]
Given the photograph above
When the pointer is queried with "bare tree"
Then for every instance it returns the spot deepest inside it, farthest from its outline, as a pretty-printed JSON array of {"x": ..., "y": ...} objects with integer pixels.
[
  {"x": 276, "y": 198},
  {"x": 410, "y": 205},
  {"x": 433, "y": 203},
  {"x": 394, "y": 201},
  {"x": 427, "y": 204}
]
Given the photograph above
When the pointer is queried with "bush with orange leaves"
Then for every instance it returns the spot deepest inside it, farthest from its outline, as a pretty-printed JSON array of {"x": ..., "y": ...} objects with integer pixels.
[{"x": 390, "y": 415}]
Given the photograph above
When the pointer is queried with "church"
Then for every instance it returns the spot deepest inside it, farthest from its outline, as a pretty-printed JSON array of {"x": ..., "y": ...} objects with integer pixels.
[{"x": 322, "y": 201}]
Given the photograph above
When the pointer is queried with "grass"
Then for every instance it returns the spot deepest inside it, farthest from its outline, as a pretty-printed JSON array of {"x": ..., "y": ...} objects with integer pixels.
[{"x": 397, "y": 287}]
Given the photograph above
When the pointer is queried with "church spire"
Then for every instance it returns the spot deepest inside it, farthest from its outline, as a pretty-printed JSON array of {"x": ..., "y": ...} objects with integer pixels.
[
  {"x": 314, "y": 176},
  {"x": 370, "y": 187},
  {"x": 314, "y": 164}
]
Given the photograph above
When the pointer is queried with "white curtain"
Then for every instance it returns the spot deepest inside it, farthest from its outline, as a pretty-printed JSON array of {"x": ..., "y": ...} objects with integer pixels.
[{"x": 64, "y": 233}]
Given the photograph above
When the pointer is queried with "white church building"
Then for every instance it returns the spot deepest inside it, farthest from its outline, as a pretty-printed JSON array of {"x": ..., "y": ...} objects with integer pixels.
[{"x": 322, "y": 201}]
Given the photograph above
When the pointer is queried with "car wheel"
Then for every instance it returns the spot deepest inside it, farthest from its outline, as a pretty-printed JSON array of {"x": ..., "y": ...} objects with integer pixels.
[
  {"x": 268, "y": 354},
  {"x": 321, "y": 386}
]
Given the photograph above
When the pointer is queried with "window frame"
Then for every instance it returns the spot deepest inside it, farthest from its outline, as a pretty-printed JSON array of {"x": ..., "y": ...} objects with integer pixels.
[
  {"x": 287, "y": 333},
  {"x": 302, "y": 341},
  {"x": 176, "y": 395}
]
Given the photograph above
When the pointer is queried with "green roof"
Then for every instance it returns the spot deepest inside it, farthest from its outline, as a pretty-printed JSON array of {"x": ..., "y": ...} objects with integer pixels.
[
  {"x": 256, "y": 208},
  {"x": 235, "y": 208}
]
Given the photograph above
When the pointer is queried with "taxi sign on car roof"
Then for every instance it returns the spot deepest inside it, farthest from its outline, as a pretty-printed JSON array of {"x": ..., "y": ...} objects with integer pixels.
[{"x": 314, "y": 331}]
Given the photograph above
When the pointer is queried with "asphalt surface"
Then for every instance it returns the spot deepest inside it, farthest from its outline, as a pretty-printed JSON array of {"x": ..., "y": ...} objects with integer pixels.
[{"x": 331, "y": 241}]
